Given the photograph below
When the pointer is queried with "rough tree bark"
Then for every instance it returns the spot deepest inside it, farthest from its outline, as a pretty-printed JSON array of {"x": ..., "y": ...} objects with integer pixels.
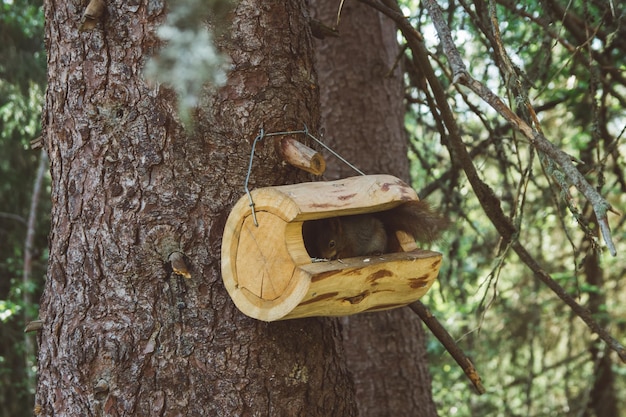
[
  {"x": 362, "y": 98},
  {"x": 124, "y": 334}
]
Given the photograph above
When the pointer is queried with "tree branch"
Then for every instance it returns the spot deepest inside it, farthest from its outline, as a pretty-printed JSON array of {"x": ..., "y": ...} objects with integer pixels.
[
  {"x": 540, "y": 142},
  {"x": 580, "y": 311},
  {"x": 448, "y": 342},
  {"x": 488, "y": 200},
  {"x": 13, "y": 216}
]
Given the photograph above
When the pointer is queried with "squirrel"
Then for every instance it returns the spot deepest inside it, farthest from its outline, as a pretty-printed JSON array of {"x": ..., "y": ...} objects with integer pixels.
[{"x": 372, "y": 233}]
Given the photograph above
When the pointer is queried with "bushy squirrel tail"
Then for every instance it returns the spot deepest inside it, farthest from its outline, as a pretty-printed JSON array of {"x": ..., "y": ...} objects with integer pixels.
[{"x": 416, "y": 218}]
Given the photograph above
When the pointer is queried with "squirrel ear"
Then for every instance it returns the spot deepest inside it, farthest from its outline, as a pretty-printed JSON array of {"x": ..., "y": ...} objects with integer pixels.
[{"x": 335, "y": 225}]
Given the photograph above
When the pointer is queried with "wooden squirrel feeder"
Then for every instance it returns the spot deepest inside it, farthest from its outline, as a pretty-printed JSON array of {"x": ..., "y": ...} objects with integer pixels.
[{"x": 270, "y": 276}]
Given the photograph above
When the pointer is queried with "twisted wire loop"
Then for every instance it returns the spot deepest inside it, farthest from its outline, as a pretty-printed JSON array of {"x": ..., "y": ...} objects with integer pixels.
[{"x": 305, "y": 132}]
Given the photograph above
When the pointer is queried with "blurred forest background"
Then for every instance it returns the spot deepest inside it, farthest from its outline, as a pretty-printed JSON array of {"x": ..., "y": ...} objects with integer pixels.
[{"x": 535, "y": 356}]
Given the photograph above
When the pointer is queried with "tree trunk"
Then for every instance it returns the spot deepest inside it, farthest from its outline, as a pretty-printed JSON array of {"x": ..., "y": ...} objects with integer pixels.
[
  {"x": 362, "y": 98},
  {"x": 361, "y": 91},
  {"x": 124, "y": 333}
]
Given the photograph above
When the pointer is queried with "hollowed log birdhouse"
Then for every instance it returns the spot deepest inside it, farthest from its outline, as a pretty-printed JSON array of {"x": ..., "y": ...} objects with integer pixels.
[{"x": 270, "y": 276}]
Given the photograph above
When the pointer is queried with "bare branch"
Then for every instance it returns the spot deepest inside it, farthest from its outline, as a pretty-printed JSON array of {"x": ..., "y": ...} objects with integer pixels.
[
  {"x": 540, "y": 142},
  {"x": 12, "y": 216},
  {"x": 448, "y": 342},
  {"x": 580, "y": 311},
  {"x": 485, "y": 195}
]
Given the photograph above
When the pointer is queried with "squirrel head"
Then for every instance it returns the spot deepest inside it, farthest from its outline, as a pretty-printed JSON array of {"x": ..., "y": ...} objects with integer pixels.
[{"x": 322, "y": 238}]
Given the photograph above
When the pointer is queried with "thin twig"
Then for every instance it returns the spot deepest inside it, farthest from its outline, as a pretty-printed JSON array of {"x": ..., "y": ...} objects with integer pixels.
[
  {"x": 13, "y": 216},
  {"x": 462, "y": 76},
  {"x": 580, "y": 311},
  {"x": 487, "y": 198}
]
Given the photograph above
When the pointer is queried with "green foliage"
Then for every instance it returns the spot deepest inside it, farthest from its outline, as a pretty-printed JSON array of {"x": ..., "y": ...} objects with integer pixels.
[
  {"x": 20, "y": 114},
  {"x": 22, "y": 56},
  {"x": 8, "y": 309},
  {"x": 536, "y": 358},
  {"x": 22, "y": 77},
  {"x": 189, "y": 60}
]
